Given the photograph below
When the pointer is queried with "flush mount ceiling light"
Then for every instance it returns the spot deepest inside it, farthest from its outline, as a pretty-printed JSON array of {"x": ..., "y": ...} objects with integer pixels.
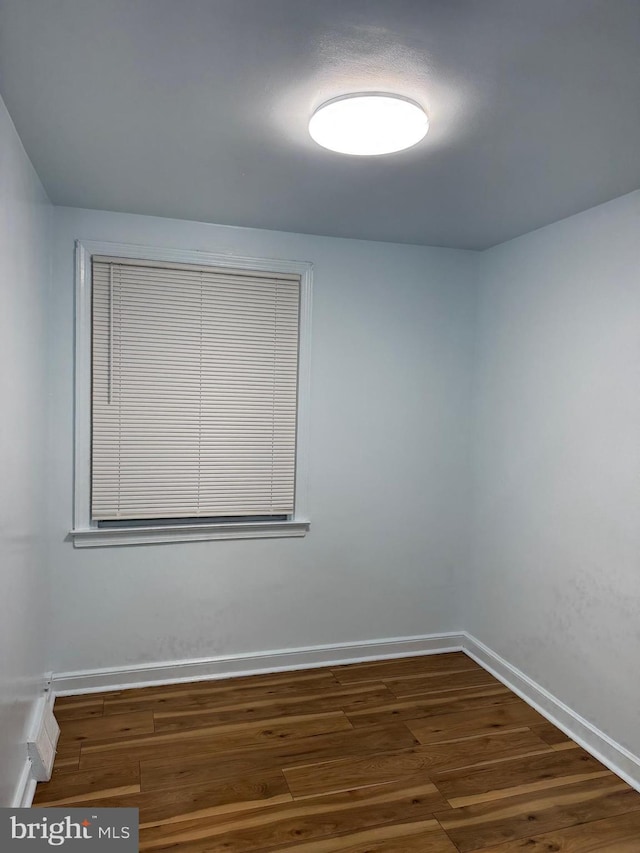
[{"x": 368, "y": 123}]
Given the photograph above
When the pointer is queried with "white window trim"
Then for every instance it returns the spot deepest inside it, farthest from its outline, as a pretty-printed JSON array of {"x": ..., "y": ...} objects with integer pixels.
[{"x": 85, "y": 532}]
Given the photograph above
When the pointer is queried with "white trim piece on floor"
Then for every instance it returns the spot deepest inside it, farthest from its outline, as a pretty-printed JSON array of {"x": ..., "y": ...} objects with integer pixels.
[
  {"x": 25, "y": 789},
  {"x": 252, "y": 663},
  {"x": 613, "y": 755},
  {"x": 26, "y": 786}
]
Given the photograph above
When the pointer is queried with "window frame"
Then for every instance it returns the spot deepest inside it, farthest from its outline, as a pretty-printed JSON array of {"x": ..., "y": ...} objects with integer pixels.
[{"x": 85, "y": 532}]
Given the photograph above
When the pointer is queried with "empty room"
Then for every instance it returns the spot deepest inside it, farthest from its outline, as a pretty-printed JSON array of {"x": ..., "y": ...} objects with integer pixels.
[{"x": 320, "y": 434}]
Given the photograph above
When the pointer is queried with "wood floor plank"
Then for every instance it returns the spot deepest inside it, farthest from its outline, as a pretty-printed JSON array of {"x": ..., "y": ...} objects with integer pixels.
[
  {"x": 418, "y": 707},
  {"x": 78, "y": 707},
  {"x": 476, "y": 722},
  {"x": 567, "y": 744},
  {"x": 348, "y": 773},
  {"x": 229, "y": 797},
  {"x": 474, "y": 827},
  {"x": 264, "y": 680},
  {"x": 218, "y": 693},
  {"x": 101, "y": 728},
  {"x": 413, "y": 685},
  {"x": 162, "y": 773},
  {"x": 518, "y": 775},
  {"x": 367, "y": 695},
  {"x": 550, "y": 734},
  {"x": 424, "y": 836},
  {"x": 264, "y": 789},
  {"x": 91, "y": 785},
  {"x": 620, "y": 834},
  {"x": 194, "y": 742},
  {"x": 277, "y": 826},
  {"x": 67, "y": 754},
  {"x": 422, "y": 665},
  {"x": 68, "y": 763}
]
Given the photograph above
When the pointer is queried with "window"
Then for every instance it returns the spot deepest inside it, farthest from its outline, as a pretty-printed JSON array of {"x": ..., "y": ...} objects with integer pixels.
[{"x": 191, "y": 392}]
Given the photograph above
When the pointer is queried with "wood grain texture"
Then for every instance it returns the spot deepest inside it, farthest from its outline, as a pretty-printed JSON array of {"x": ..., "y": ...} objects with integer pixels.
[
  {"x": 532, "y": 773},
  {"x": 91, "y": 785},
  {"x": 511, "y": 818},
  {"x": 550, "y": 734},
  {"x": 120, "y": 728},
  {"x": 367, "y": 695},
  {"x": 447, "y": 702},
  {"x": 159, "y": 773},
  {"x": 412, "y": 685},
  {"x": 215, "y": 694},
  {"x": 420, "y": 755},
  {"x": 414, "y": 666},
  {"x": 276, "y": 826},
  {"x": 349, "y": 773},
  {"x": 79, "y": 707},
  {"x": 620, "y": 834},
  {"x": 424, "y": 836},
  {"x": 466, "y": 724},
  {"x": 206, "y": 800},
  {"x": 214, "y": 739}
]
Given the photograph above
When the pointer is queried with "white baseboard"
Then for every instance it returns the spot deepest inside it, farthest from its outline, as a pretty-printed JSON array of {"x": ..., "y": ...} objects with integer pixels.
[
  {"x": 612, "y": 754},
  {"x": 25, "y": 789},
  {"x": 228, "y": 666}
]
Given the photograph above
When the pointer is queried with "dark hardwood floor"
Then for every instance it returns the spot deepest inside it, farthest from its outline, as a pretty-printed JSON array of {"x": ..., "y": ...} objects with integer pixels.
[{"x": 427, "y": 754}]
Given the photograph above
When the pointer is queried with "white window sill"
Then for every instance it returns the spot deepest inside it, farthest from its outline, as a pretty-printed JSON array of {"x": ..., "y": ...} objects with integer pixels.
[{"x": 99, "y": 537}]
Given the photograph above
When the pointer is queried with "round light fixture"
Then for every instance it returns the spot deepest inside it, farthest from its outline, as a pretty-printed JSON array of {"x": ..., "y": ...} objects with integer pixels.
[{"x": 368, "y": 123}]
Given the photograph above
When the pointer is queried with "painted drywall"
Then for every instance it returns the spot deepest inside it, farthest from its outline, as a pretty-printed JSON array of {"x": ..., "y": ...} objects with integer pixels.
[
  {"x": 554, "y": 582},
  {"x": 388, "y": 468},
  {"x": 25, "y": 230}
]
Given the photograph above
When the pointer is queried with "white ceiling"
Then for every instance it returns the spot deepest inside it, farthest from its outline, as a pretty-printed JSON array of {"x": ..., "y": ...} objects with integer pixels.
[{"x": 198, "y": 109}]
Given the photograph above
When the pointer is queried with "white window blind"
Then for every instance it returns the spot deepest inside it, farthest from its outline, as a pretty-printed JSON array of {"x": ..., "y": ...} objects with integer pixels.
[{"x": 194, "y": 391}]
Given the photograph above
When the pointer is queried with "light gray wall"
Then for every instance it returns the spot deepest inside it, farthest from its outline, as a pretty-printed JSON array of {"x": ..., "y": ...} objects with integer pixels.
[
  {"x": 25, "y": 229},
  {"x": 389, "y": 463},
  {"x": 554, "y": 582}
]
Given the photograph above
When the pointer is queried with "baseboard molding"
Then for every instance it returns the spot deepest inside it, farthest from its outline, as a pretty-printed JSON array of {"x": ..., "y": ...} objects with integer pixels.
[
  {"x": 612, "y": 754},
  {"x": 25, "y": 789},
  {"x": 228, "y": 666}
]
